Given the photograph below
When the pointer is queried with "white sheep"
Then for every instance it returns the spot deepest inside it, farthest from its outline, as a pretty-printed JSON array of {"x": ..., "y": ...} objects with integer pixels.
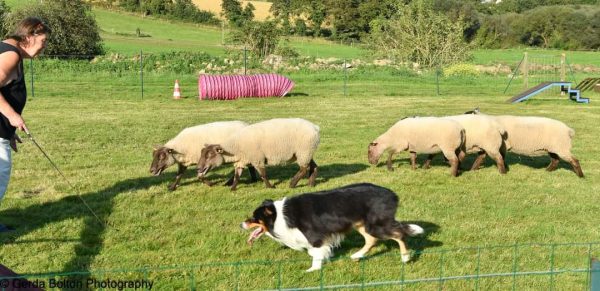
[
  {"x": 483, "y": 135},
  {"x": 270, "y": 142},
  {"x": 428, "y": 135},
  {"x": 185, "y": 148},
  {"x": 536, "y": 136}
]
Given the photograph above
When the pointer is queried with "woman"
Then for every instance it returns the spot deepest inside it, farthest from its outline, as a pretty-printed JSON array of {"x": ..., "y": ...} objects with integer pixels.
[{"x": 27, "y": 41}]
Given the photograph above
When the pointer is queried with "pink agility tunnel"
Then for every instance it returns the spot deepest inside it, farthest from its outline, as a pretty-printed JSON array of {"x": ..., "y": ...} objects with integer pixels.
[{"x": 230, "y": 87}]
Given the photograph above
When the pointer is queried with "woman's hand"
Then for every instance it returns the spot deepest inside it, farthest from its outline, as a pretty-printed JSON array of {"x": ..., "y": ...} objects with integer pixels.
[{"x": 17, "y": 121}]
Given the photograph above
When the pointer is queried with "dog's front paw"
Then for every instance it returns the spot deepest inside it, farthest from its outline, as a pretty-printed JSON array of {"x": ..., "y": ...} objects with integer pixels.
[
  {"x": 357, "y": 257},
  {"x": 405, "y": 258},
  {"x": 312, "y": 269}
]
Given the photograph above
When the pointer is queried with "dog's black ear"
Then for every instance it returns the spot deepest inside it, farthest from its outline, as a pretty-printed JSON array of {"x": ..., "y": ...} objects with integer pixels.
[{"x": 267, "y": 202}]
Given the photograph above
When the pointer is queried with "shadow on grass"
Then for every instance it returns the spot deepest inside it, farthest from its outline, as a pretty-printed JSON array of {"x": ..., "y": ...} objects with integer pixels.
[
  {"x": 90, "y": 242},
  {"x": 296, "y": 94},
  {"x": 283, "y": 174},
  {"x": 539, "y": 162}
]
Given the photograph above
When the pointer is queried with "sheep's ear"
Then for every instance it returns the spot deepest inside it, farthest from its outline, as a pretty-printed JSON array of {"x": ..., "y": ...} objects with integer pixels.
[{"x": 156, "y": 147}]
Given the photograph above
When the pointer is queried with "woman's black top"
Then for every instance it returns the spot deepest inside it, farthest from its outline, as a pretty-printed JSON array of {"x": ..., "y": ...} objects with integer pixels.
[{"x": 14, "y": 93}]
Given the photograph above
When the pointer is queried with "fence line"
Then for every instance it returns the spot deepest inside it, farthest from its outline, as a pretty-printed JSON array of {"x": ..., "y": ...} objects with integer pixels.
[
  {"x": 375, "y": 279},
  {"x": 52, "y": 75}
]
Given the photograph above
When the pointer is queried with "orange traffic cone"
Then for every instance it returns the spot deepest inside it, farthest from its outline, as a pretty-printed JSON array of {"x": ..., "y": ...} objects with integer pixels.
[{"x": 176, "y": 92}]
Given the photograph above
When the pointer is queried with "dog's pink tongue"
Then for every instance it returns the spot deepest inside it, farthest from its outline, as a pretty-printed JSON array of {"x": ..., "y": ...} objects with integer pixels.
[{"x": 254, "y": 235}]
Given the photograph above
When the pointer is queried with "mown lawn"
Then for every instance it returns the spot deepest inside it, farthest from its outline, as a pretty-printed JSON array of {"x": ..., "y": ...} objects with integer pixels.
[
  {"x": 101, "y": 137},
  {"x": 100, "y": 130}
]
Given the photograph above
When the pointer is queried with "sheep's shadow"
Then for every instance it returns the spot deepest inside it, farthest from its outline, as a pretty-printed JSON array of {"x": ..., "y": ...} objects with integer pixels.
[
  {"x": 90, "y": 243},
  {"x": 354, "y": 241},
  {"x": 537, "y": 162},
  {"x": 280, "y": 174}
]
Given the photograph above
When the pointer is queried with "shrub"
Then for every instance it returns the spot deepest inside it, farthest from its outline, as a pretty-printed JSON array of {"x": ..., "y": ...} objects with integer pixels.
[
  {"x": 260, "y": 38},
  {"x": 4, "y": 10},
  {"x": 417, "y": 33},
  {"x": 461, "y": 70},
  {"x": 74, "y": 29}
]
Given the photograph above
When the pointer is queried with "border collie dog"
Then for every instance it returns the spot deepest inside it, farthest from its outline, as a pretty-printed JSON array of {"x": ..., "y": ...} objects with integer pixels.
[{"x": 318, "y": 221}]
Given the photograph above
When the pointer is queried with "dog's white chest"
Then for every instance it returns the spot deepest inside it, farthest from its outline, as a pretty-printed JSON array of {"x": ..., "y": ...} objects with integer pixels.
[{"x": 291, "y": 237}]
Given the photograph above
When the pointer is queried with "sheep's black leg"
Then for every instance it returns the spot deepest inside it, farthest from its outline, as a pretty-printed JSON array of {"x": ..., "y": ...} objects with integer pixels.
[
  {"x": 576, "y": 167},
  {"x": 389, "y": 162},
  {"x": 312, "y": 173},
  {"x": 181, "y": 169},
  {"x": 252, "y": 171},
  {"x": 413, "y": 160},
  {"x": 301, "y": 173},
  {"x": 553, "y": 162},
  {"x": 236, "y": 178},
  {"x": 454, "y": 164},
  {"x": 427, "y": 163},
  {"x": 230, "y": 181},
  {"x": 479, "y": 160},
  {"x": 263, "y": 175}
]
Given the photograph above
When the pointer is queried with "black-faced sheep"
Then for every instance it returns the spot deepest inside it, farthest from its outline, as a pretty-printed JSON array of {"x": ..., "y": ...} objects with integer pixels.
[
  {"x": 185, "y": 148},
  {"x": 428, "y": 135},
  {"x": 270, "y": 142},
  {"x": 536, "y": 136}
]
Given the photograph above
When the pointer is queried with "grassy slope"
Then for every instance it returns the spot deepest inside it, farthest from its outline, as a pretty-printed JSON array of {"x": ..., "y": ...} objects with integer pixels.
[
  {"x": 169, "y": 35},
  {"x": 100, "y": 134}
]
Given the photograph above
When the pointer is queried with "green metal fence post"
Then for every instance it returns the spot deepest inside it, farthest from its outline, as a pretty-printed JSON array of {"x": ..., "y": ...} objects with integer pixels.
[
  {"x": 552, "y": 267},
  {"x": 345, "y": 78},
  {"x": 437, "y": 80},
  {"x": 245, "y": 60},
  {"x": 595, "y": 274},
  {"x": 588, "y": 273},
  {"x": 146, "y": 277},
  {"x": 442, "y": 270},
  {"x": 402, "y": 276},
  {"x": 478, "y": 268},
  {"x": 515, "y": 255},
  {"x": 192, "y": 280},
  {"x": 279, "y": 276},
  {"x": 321, "y": 279},
  {"x": 142, "y": 71},
  {"x": 362, "y": 274},
  {"x": 237, "y": 276}
]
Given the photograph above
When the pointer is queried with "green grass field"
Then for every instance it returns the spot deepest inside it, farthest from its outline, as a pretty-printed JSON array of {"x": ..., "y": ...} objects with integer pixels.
[{"x": 100, "y": 131}]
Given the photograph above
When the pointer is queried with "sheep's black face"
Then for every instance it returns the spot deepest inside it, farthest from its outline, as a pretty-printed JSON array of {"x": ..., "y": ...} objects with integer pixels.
[
  {"x": 210, "y": 158},
  {"x": 374, "y": 153},
  {"x": 162, "y": 158}
]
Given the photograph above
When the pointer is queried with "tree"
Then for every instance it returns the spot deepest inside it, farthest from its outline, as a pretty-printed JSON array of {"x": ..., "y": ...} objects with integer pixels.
[
  {"x": 233, "y": 12},
  {"x": 4, "y": 11},
  {"x": 416, "y": 33},
  {"x": 74, "y": 29},
  {"x": 260, "y": 38}
]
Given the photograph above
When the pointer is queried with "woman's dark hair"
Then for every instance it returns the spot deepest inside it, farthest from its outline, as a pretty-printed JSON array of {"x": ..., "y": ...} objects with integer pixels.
[{"x": 28, "y": 27}]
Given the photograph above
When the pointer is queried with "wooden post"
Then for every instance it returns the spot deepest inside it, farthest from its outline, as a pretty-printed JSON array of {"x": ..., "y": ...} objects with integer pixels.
[{"x": 525, "y": 71}]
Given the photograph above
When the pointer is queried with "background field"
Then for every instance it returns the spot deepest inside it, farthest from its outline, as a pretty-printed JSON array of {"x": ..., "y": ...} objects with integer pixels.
[{"x": 100, "y": 131}]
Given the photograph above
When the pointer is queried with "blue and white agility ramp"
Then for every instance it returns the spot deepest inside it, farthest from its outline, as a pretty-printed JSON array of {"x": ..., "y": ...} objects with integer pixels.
[{"x": 574, "y": 94}]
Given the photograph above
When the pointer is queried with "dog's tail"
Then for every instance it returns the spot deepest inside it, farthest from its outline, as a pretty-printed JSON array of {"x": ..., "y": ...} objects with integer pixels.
[{"x": 409, "y": 229}]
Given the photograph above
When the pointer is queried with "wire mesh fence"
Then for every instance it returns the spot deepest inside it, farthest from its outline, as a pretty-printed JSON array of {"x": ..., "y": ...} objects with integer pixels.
[
  {"x": 149, "y": 76},
  {"x": 531, "y": 266}
]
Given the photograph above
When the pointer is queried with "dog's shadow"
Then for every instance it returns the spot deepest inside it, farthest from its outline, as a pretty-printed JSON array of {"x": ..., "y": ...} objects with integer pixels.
[{"x": 354, "y": 241}]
